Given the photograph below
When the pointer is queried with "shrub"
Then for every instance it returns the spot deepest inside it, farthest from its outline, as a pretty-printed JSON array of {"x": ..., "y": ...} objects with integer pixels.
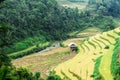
[
  {"x": 53, "y": 77},
  {"x": 106, "y": 47},
  {"x": 37, "y": 75}
]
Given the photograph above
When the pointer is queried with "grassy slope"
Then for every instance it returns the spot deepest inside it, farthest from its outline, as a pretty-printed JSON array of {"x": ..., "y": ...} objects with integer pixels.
[
  {"x": 29, "y": 50},
  {"x": 83, "y": 63}
]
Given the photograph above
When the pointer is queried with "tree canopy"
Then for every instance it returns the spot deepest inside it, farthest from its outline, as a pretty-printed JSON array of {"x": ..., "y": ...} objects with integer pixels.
[{"x": 108, "y": 7}]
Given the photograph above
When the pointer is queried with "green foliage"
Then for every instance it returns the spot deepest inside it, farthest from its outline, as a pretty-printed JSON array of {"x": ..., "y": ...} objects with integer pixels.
[
  {"x": 24, "y": 44},
  {"x": 96, "y": 75},
  {"x": 107, "y": 47},
  {"x": 1, "y": 1},
  {"x": 115, "y": 64},
  {"x": 37, "y": 75},
  {"x": 40, "y": 21},
  {"x": 53, "y": 76},
  {"x": 4, "y": 35},
  {"x": 29, "y": 51},
  {"x": 4, "y": 41},
  {"x": 106, "y": 7},
  {"x": 4, "y": 60},
  {"x": 45, "y": 18},
  {"x": 11, "y": 73}
]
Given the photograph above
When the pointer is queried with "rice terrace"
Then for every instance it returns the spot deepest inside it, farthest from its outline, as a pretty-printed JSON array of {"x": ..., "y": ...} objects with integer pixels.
[
  {"x": 94, "y": 60},
  {"x": 59, "y": 39}
]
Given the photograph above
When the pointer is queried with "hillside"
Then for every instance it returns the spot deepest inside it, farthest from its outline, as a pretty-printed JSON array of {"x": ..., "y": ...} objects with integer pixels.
[
  {"x": 49, "y": 59},
  {"x": 35, "y": 38},
  {"x": 34, "y": 22},
  {"x": 84, "y": 65},
  {"x": 106, "y": 7},
  {"x": 35, "y": 25},
  {"x": 89, "y": 63}
]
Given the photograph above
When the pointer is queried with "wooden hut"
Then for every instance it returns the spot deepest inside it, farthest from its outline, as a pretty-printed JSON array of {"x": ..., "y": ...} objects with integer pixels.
[{"x": 73, "y": 47}]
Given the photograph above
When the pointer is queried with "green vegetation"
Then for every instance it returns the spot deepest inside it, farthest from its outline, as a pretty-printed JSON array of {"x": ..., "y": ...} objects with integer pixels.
[
  {"x": 28, "y": 26},
  {"x": 115, "y": 64},
  {"x": 106, "y": 7},
  {"x": 26, "y": 43},
  {"x": 11, "y": 73},
  {"x": 7, "y": 71},
  {"x": 96, "y": 75},
  {"x": 38, "y": 22},
  {"x": 29, "y": 50},
  {"x": 81, "y": 5},
  {"x": 53, "y": 76},
  {"x": 107, "y": 47}
]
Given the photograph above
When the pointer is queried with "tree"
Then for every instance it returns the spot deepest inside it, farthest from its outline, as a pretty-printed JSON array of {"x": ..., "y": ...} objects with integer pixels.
[
  {"x": 4, "y": 41},
  {"x": 37, "y": 75},
  {"x": 1, "y": 1}
]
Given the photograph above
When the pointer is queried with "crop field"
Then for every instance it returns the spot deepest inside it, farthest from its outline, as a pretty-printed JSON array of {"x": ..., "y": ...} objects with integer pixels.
[
  {"x": 83, "y": 65},
  {"x": 45, "y": 61},
  {"x": 81, "y": 35}
]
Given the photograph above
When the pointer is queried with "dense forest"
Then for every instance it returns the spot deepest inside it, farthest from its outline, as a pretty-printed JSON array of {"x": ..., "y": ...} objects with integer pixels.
[
  {"x": 107, "y": 7},
  {"x": 42, "y": 19},
  {"x": 35, "y": 18},
  {"x": 78, "y": 0},
  {"x": 39, "y": 21}
]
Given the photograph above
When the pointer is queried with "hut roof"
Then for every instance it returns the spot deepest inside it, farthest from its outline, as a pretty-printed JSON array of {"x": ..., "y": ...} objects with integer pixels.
[{"x": 72, "y": 44}]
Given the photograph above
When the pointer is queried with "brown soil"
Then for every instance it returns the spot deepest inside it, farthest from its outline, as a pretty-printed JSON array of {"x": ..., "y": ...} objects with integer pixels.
[{"x": 43, "y": 62}]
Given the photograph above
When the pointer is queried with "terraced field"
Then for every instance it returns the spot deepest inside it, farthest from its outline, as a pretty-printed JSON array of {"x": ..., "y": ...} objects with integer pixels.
[
  {"x": 45, "y": 61},
  {"x": 82, "y": 66}
]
